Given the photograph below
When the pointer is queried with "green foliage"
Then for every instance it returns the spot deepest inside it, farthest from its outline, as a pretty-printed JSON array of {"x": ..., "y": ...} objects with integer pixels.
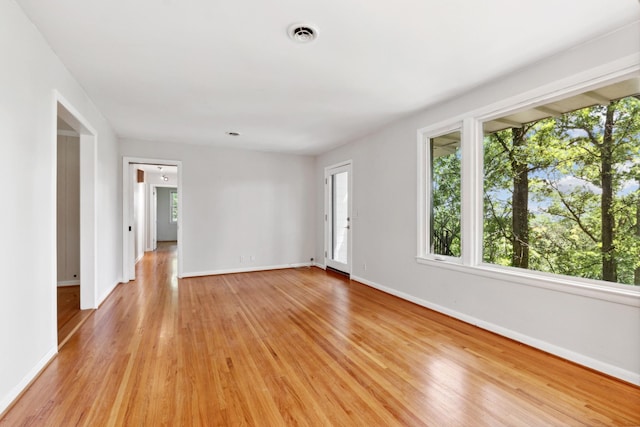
[
  {"x": 566, "y": 158},
  {"x": 446, "y": 204}
]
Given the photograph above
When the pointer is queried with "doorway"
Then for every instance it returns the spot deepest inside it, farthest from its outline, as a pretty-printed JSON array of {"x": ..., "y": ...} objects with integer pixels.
[
  {"x": 75, "y": 273},
  {"x": 142, "y": 178},
  {"x": 338, "y": 217},
  {"x": 165, "y": 210}
]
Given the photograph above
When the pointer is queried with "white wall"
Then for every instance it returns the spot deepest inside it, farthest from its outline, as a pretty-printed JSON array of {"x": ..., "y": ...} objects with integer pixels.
[
  {"x": 167, "y": 230},
  {"x": 29, "y": 74},
  {"x": 68, "y": 210},
  {"x": 602, "y": 334},
  {"x": 238, "y": 203}
]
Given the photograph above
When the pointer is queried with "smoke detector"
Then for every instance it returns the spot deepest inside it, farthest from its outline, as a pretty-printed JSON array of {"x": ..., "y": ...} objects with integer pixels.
[{"x": 303, "y": 33}]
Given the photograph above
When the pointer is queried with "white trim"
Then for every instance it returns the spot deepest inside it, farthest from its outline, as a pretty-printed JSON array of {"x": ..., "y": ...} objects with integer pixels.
[
  {"x": 339, "y": 164},
  {"x": 562, "y": 352},
  {"x": 424, "y": 186},
  {"x": 75, "y": 115},
  {"x": 27, "y": 379},
  {"x": 322, "y": 266},
  {"x": 247, "y": 269},
  {"x": 583, "y": 287},
  {"x": 64, "y": 283},
  {"x": 471, "y": 206},
  {"x": 88, "y": 221},
  {"x": 88, "y": 201},
  {"x": 421, "y": 215}
]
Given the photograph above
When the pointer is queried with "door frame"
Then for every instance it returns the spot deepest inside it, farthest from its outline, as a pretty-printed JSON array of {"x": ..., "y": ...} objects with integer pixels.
[
  {"x": 128, "y": 256},
  {"x": 88, "y": 202},
  {"x": 328, "y": 212}
]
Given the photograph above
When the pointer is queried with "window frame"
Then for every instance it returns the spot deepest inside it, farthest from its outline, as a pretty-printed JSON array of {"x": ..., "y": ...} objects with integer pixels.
[
  {"x": 472, "y": 175},
  {"x": 425, "y": 193}
]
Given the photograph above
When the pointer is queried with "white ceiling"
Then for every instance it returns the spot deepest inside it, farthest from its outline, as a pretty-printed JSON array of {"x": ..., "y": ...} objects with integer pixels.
[{"x": 189, "y": 71}]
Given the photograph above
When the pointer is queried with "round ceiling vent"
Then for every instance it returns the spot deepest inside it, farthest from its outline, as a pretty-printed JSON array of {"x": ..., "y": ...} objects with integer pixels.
[{"x": 303, "y": 33}]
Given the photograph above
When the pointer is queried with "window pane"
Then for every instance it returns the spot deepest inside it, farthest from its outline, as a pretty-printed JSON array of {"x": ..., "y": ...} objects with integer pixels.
[
  {"x": 174, "y": 206},
  {"x": 445, "y": 194},
  {"x": 561, "y": 192},
  {"x": 340, "y": 215}
]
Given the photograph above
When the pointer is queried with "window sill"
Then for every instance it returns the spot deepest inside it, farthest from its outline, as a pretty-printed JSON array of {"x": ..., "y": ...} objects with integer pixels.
[{"x": 583, "y": 287}]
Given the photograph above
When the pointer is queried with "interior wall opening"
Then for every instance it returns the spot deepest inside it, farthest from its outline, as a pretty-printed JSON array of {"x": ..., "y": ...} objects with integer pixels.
[
  {"x": 151, "y": 207},
  {"x": 75, "y": 213}
]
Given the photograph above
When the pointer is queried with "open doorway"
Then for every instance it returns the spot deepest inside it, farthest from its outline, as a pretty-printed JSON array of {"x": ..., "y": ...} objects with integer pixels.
[
  {"x": 75, "y": 281},
  {"x": 165, "y": 213},
  {"x": 151, "y": 210}
]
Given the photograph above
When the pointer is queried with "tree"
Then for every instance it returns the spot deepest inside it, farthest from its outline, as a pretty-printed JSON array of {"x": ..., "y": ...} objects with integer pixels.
[
  {"x": 559, "y": 193},
  {"x": 608, "y": 138},
  {"x": 519, "y": 157},
  {"x": 446, "y": 204}
]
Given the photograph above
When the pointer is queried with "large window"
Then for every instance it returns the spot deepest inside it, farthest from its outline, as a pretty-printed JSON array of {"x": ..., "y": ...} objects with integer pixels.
[
  {"x": 561, "y": 186},
  {"x": 547, "y": 193}
]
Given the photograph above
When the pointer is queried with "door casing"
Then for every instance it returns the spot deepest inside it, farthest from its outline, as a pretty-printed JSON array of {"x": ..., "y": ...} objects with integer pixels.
[
  {"x": 128, "y": 257},
  {"x": 328, "y": 215}
]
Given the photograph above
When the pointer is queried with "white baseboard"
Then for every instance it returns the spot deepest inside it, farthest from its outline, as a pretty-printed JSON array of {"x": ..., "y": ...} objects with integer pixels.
[
  {"x": 26, "y": 381},
  {"x": 322, "y": 266},
  {"x": 64, "y": 283},
  {"x": 245, "y": 269},
  {"x": 562, "y": 352}
]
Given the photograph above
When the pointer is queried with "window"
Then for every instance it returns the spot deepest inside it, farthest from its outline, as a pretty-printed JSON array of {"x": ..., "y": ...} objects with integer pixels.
[
  {"x": 548, "y": 194},
  {"x": 561, "y": 186},
  {"x": 173, "y": 201},
  {"x": 440, "y": 213},
  {"x": 445, "y": 194}
]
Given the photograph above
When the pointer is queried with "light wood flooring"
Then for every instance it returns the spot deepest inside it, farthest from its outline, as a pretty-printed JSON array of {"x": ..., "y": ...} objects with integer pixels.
[
  {"x": 301, "y": 347},
  {"x": 70, "y": 317}
]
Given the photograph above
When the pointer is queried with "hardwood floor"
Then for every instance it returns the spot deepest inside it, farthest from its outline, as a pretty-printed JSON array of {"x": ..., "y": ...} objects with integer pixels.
[
  {"x": 301, "y": 347},
  {"x": 70, "y": 317},
  {"x": 68, "y": 303}
]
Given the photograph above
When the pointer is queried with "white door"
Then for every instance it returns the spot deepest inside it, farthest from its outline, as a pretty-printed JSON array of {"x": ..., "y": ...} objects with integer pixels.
[{"x": 338, "y": 217}]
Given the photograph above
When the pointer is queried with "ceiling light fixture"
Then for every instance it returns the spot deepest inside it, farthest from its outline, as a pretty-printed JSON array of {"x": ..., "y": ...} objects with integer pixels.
[{"x": 303, "y": 33}]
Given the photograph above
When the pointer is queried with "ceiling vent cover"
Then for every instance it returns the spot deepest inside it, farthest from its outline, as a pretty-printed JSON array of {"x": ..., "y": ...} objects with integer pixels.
[{"x": 303, "y": 33}]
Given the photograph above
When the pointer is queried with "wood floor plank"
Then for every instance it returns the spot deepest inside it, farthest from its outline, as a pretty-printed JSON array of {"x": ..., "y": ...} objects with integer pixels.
[{"x": 301, "y": 347}]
